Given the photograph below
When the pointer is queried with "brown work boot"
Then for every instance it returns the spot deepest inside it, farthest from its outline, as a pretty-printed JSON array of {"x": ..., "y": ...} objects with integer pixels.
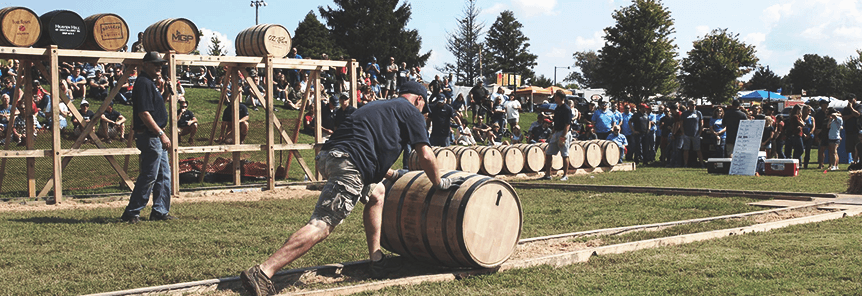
[{"x": 256, "y": 282}]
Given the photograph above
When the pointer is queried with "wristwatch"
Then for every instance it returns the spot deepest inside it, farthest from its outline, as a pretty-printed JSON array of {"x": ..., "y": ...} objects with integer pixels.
[{"x": 161, "y": 132}]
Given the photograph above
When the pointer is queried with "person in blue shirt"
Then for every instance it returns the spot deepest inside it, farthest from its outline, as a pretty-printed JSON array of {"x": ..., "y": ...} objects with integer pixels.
[
  {"x": 616, "y": 136},
  {"x": 716, "y": 125},
  {"x": 373, "y": 68},
  {"x": 691, "y": 124},
  {"x": 625, "y": 129},
  {"x": 603, "y": 120}
]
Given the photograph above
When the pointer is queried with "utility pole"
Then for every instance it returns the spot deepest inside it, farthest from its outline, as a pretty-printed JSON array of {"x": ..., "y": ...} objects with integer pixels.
[{"x": 257, "y": 4}]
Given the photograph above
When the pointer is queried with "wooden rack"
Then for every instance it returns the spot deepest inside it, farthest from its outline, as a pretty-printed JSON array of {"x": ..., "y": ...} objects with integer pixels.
[{"x": 34, "y": 57}]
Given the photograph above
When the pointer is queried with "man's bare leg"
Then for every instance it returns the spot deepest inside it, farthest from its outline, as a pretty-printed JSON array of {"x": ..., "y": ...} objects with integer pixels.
[
  {"x": 297, "y": 245},
  {"x": 372, "y": 218}
]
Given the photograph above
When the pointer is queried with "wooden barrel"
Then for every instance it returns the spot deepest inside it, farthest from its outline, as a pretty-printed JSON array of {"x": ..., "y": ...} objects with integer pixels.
[
  {"x": 576, "y": 155},
  {"x": 478, "y": 225},
  {"x": 20, "y": 27},
  {"x": 492, "y": 160},
  {"x": 610, "y": 152},
  {"x": 108, "y": 32},
  {"x": 263, "y": 40},
  {"x": 513, "y": 159},
  {"x": 446, "y": 159},
  {"x": 556, "y": 159},
  {"x": 534, "y": 157},
  {"x": 177, "y": 34},
  {"x": 63, "y": 28},
  {"x": 592, "y": 154},
  {"x": 468, "y": 159}
]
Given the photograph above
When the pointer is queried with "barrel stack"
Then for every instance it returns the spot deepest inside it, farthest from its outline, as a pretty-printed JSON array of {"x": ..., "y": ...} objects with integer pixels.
[
  {"x": 108, "y": 32},
  {"x": 63, "y": 28},
  {"x": 177, "y": 34},
  {"x": 19, "y": 27}
]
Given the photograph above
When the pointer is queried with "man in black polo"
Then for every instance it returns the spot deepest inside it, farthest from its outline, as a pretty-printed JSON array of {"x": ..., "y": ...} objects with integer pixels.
[
  {"x": 850, "y": 114},
  {"x": 150, "y": 119},
  {"x": 731, "y": 123},
  {"x": 561, "y": 139},
  {"x": 355, "y": 161},
  {"x": 345, "y": 109},
  {"x": 821, "y": 132},
  {"x": 640, "y": 126},
  {"x": 440, "y": 118},
  {"x": 478, "y": 94}
]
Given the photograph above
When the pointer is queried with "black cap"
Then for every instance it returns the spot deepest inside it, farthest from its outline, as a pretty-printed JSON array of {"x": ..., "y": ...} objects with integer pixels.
[
  {"x": 413, "y": 87},
  {"x": 153, "y": 57},
  {"x": 851, "y": 96}
]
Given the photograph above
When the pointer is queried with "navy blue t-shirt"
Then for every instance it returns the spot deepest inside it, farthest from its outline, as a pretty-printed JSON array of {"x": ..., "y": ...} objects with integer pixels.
[
  {"x": 562, "y": 117},
  {"x": 375, "y": 134},
  {"x": 146, "y": 98},
  {"x": 440, "y": 117},
  {"x": 227, "y": 115}
]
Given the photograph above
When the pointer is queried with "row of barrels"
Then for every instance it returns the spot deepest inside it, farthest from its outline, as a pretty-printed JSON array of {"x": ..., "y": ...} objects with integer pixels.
[
  {"x": 21, "y": 27},
  {"x": 518, "y": 158}
]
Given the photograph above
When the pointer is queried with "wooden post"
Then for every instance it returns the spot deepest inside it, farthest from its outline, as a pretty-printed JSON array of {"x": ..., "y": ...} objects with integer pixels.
[
  {"x": 318, "y": 131},
  {"x": 236, "y": 93},
  {"x": 30, "y": 128},
  {"x": 354, "y": 98},
  {"x": 222, "y": 98},
  {"x": 270, "y": 127},
  {"x": 172, "y": 115},
  {"x": 55, "y": 127}
]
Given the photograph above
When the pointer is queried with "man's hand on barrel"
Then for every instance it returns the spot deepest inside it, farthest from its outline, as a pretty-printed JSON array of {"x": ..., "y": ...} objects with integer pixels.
[
  {"x": 451, "y": 183},
  {"x": 393, "y": 175}
]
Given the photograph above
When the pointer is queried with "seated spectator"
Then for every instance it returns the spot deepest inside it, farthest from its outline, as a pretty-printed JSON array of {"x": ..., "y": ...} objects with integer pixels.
[
  {"x": 112, "y": 124},
  {"x": 590, "y": 133},
  {"x": 480, "y": 130},
  {"x": 517, "y": 135},
  {"x": 86, "y": 115},
  {"x": 201, "y": 78},
  {"x": 294, "y": 97},
  {"x": 78, "y": 83},
  {"x": 227, "y": 124},
  {"x": 495, "y": 136},
  {"x": 98, "y": 86},
  {"x": 616, "y": 136},
  {"x": 251, "y": 99},
  {"x": 328, "y": 114},
  {"x": 187, "y": 123},
  {"x": 541, "y": 133},
  {"x": 465, "y": 135}
]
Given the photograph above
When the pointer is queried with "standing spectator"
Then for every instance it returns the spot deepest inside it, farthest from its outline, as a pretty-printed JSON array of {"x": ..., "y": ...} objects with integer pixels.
[
  {"x": 478, "y": 94},
  {"x": 436, "y": 86},
  {"x": 836, "y": 123},
  {"x": 498, "y": 114},
  {"x": 112, "y": 124},
  {"x": 513, "y": 115},
  {"x": 403, "y": 74},
  {"x": 327, "y": 114},
  {"x": 850, "y": 115},
  {"x": 440, "y": 118},
  {"x": 626, "y": 130},
  {"x": 768, "y": 134},
  {"x": 150, "y": 119},
  {"x": 447, "y": 88},
  {"x": 793, "y": 131},
  {"x": 717, "y": 128},
  {"x": 731, "y": 123},
  {"x": 656, "y": 118},
  {"x": 604, "y": 120},
  {"x": 692, "y": 126},
  {"x": 186, "y": 122},
  {"x": 459, "y": 105},
  {"x": 293, "y": 75},
  {"x": 807, "y": 132},
  {"x": 821, "y": 132},
  {"x": 373, "y": 69},
  {"x": 391, "y": 75},
  {"x": 640, "y": 125},
  {"x": 344, "y": 111},
  {"x": 561, "y": 139}
]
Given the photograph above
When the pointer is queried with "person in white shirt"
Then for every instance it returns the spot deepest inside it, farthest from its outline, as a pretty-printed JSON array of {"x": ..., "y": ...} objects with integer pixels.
[{"x": 512, "y": 107}]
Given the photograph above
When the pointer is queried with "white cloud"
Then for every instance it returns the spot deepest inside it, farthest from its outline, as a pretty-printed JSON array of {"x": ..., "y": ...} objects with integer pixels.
[
  {"x": 815, "y": 32},
  {"x": 593, "y": 43},
  {"x": 533, "y": 8},
  {"x": 701, "y": 31},
  {"x": 495, "y": 9},
  {"x": 557, "y": 52},
  {"x": 757, "y": 40},
  {"x": 848, "y": 32},
  {"x": 773, "y": 14},
  {"x": 206, "y": 41}
]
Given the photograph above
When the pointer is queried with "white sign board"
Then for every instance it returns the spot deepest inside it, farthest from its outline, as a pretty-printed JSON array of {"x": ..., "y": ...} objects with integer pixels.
[{"x": 746, "y": 148}]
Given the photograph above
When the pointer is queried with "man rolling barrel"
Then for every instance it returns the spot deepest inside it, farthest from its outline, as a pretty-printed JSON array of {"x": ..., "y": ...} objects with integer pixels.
[{"x": 355, "y": 160}]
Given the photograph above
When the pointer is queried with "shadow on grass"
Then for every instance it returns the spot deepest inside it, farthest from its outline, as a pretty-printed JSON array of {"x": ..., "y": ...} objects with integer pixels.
[{"x": 58, "y": 220}]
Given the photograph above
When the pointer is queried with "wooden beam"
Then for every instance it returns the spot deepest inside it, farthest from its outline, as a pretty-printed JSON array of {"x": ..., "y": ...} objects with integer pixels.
[
  {"x": 318, "y": 123},
  {"x": 216, "y": 118},
  {"x": 173, "y": 160},
  {"x": 293, "y": 147},
  {"x": 99, "y": 152},
  {"x": 56, "y": 146},
  {"x": 24, "y": 153},
  {"x": 221, "y": 148},
  {"x": 354, "y": 94},
  {"x": 236, "y": 92},
  {"x": 29, "y": 118},
  {"x": 270, "y": 121}
]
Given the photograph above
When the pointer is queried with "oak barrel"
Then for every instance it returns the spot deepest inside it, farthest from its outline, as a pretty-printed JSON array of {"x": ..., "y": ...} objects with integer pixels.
[
  {"x": 263, "y": 40},
  {"x": 177, "y": 34},
  {"x": 477, "y": 225},
  {"x": 556, "y": 159},
  {"x": 468, "y": 159},
  {"x": 108, "y": 32},
  {"x": 610, "y": 152},
  {"x": 592, "y": 154},
  {"x": 534, "y": 157},
  {"x": 63, "y": 28},
  {"x": 492, "y": 160},
  {"x": 446, "y": 159},
  {"x": 513, "y": 159},
  {"x": 19, "y": 26},
  {"x": 576, "y": 155}
]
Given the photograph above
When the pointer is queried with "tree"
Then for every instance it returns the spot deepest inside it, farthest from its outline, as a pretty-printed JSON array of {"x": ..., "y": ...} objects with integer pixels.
[
  {"x": 638, "y": 58},
  {"x": 818, "y": 76},
  {"x": 507, "y": 49},
  {"x": 312, "y": 38},
  {"x": 374, "y": 28},
  {"x": 215, "y": 48},
  {"x": 588, "y": 62},
  {"x": 851, "y": 70},
  {"x": 542, "y": 81},
  {"x": 764, "y": 78},
  {"x": 714, "y": 64},
  {"x": 465, "y": 46}
]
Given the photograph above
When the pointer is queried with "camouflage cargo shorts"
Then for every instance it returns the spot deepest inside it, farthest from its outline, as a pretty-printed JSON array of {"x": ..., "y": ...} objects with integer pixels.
[{"x": 343, "y": 187}]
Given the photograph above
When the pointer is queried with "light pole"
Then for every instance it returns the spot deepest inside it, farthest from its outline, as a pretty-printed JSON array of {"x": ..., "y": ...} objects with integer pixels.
[
  {"x": 555, "y": 72},
  {"x": 257, "y": 4}
]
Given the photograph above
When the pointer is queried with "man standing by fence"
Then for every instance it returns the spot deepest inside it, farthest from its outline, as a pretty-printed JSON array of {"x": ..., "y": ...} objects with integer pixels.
[
  {"x": 150, "y": 119},
  {"x": 561, "y": 139}
]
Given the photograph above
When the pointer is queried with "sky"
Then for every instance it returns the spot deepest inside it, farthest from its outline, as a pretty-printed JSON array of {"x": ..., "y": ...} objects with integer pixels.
[{"x": 782, "y": 31}]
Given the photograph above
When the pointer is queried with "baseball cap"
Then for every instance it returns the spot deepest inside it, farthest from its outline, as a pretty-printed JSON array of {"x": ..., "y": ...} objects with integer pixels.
[
  {"x": 333, "y": 100},
  {"x": 413, "y": 87},
  {"x": 645, "y": 106},
  {"x": 84, "y": 102},
  {"x": 548, "y": 120},
  {"x": 153, "y": 57}
]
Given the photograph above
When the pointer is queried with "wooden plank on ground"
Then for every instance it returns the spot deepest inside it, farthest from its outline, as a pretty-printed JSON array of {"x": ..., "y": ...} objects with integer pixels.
[{"x": 779, "y": 203}]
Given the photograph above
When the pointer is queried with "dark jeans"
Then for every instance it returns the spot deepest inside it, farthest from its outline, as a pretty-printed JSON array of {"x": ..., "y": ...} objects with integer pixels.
[
  {"x": 779, "y": 148},
  {"x": 154, "y": 177},
  {"x": 633, "y": 146},
  {"x": 794, "y": 147},
  {"x": 807, "y": 143},
  {"x": 648, "y": 144}
]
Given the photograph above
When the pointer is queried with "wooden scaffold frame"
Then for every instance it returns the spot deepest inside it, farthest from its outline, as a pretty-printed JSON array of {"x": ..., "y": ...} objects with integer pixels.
[{"x": 34, "y": 57}]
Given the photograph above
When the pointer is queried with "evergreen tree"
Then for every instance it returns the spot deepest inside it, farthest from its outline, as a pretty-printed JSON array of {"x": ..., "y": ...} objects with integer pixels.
[
  {"x": 312, "y": 38},
  {"x": 764, "y": 78},
  {"x": 542, "y": 81},
  {"x": 215, "y": 48},
  {"x": 851, "y": 71},
  {"x": 714, "y": 64},
  {"x": 465, "y": 46},
  {"x": 638, "y": 58},
  {"x": 374, "y": 28},
  {"x": 507, "y": 49},
  {"x": 818, "y": 76},
  {"x": 588, "y": 77}
]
